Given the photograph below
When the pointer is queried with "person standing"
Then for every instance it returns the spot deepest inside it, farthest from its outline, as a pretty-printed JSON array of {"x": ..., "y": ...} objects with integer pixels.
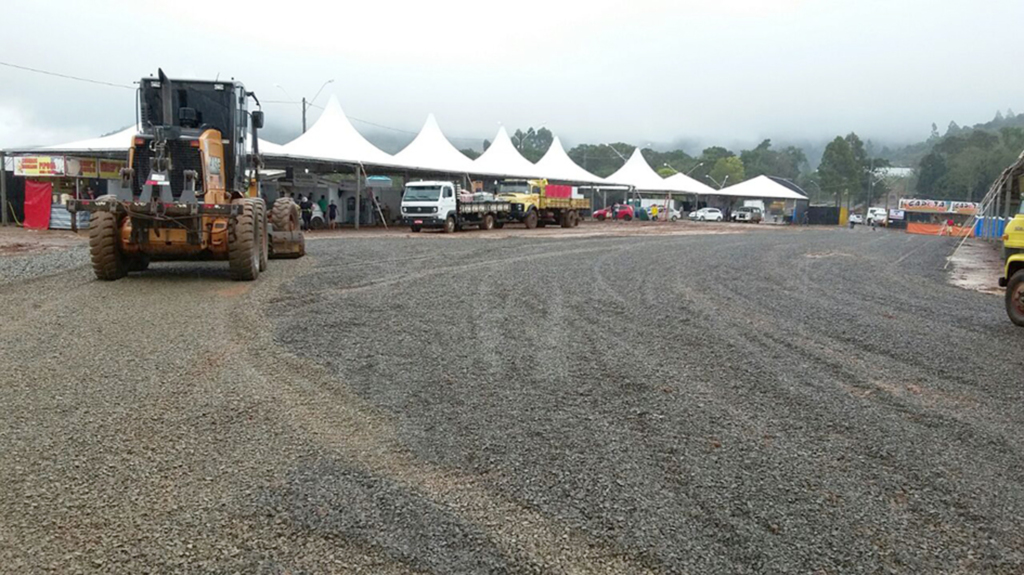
[
  {"x": 307, "y": 212},
  {"x": 323, "y": 205},
  {"x": 332, "y": 214}
]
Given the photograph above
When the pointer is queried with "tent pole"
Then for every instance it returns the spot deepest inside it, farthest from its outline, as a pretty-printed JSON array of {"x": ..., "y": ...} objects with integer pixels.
[{"x": 359, "y": 192}]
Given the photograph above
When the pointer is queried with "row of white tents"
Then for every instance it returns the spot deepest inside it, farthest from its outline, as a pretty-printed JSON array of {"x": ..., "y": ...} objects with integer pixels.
[{"x": 334, "y": 140}]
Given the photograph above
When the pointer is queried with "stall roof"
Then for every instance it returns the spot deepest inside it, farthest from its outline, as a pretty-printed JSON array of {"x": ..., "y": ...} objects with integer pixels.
[
  {"x": 334, "y": 138},
  {"x": 119, "y": 141},
  {"x": 686, "y": 184},
  {"x": 502, "y": 159},
  {"x": 764, "y": 187},
  {"x": 557, "y": 165},
  {"x": 637, "y": 172},
  {"x": 431, "y": 151}
]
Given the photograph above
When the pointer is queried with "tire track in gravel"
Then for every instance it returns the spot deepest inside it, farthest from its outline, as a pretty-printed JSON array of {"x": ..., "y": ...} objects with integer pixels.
[{"x": 346, "y": 425}]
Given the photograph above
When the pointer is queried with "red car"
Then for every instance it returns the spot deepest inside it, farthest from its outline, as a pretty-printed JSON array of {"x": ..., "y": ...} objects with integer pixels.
[{"x": 625, "y": 213}]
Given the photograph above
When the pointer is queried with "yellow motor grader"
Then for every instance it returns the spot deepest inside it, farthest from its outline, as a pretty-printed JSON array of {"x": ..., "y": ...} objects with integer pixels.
[{"x": 194, "y": 183}]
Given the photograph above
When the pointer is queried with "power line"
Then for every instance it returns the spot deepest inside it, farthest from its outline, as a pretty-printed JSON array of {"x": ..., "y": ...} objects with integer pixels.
[
  {"x": 366, "y": 121},
  {"x": 65, "y": 76}
]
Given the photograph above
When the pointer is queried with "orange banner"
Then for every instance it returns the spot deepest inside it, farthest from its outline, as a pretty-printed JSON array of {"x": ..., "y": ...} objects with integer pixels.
[
  {"x": 80, "y": 167},
  {"x": 930, "y": 229}
]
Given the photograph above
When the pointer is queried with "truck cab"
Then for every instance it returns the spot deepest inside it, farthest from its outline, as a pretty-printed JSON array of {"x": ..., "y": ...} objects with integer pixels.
[{"x": 429, "y": 204}]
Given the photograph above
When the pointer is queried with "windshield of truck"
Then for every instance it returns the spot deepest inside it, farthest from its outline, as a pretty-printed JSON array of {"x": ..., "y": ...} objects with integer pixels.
[
  {"x": 513, "y": 188},
  {"x": 422, "y": 194},
  {"x": 210, "y": 101}
]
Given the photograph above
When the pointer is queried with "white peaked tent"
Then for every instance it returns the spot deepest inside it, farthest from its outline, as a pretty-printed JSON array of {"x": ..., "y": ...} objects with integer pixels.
[
  {"x": 119, "y": 143},
  {"x": 636, "y": 172},
  {"x": 761, "y": 187},
  {"x": 111, "y": 143},
  {"x": 558, "y": 166},
  {"x": 334, "y": 138},
  {"x": 431, "y": 151},
  {"x": 685, "y": 183},
  {"x": 502, "y": 159}
]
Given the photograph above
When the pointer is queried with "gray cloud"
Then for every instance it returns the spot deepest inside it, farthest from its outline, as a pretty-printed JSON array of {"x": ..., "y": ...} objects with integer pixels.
[{"x": 641, "y": 72}]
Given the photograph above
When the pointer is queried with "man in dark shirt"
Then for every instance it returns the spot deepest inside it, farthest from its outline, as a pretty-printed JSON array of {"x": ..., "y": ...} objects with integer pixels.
[
  {"x": 332, "y": 213},
  {"x": 307, "y": 212}
]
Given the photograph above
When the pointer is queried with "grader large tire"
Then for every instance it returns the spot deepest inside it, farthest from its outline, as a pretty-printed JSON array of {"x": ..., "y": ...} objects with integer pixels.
[
  {"x": 243, "y": 244},
  {"x": 1015, "y": 298},
  {"x": 264, "y": 233},
  {"x": 285, "y": 215},
  {"x": 108, "y": 263}
]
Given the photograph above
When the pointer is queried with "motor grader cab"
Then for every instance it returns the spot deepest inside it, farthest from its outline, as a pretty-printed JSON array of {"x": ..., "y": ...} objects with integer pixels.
[{"x": 194, "y": 181}]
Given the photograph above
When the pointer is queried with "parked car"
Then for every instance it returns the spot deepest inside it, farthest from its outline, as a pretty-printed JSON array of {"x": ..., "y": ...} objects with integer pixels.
[
  {"x": 876, "y": 216},
  {"x": 707, "y": 214},
  {"x": 625, "y": 213},
  {"x": 670, "y": 214},
  {"x": 749, "y": 214},
  {"x": 856, "y": 219}
]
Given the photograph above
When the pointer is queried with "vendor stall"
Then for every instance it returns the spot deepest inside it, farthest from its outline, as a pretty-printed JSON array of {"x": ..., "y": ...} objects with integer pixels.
[
  {"x": 939, "y": 217},
  {"x": 50, "y": 181}
]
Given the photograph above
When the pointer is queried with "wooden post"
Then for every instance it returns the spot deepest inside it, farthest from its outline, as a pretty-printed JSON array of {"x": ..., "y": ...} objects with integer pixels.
[{"x": 74, "y": 216}]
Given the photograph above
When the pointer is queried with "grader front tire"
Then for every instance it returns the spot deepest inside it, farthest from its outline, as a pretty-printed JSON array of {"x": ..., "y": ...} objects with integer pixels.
[
  {"x": 243, "y": 246},
  {"x": 108, "y": 263}
]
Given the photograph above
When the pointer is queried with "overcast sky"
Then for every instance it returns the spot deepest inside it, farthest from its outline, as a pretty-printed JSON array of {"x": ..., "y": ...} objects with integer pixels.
[{"x": 644, "y": 71}]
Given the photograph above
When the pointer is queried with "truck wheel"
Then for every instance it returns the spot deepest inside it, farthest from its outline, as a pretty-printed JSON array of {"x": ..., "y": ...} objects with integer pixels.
[
  {"x": 449, "y": 225},
  {"x": 243, "y": 247},
  {"x": 284, "y": 216},
  {"x": 576, "y": 217},
  {"x": 563, "y": 220},
  {"x": 104, "y": 246},
  {"x": 488, "y": 223},
  {"x": 264, "y": 233},
  {"x": 1015, "y": 298},
  {"x": 415, "y": 229},
  {"x": 530, "y": 220}
]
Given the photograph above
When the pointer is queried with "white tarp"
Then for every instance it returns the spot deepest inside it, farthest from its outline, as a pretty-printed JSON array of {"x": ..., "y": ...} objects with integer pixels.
[
  {"x": 685, "y": 183},
  {"x": 431, "y": 151},
  {"x": 121, "y": 141},
  {"x": 761, "y": 187},
  {"x": 334, "y": 138},
  {"x": 637, "y": 172},
  {"x": 117, "y": 142},
  {"x": 502, "y": 159},
  {"x": 558, "y": 166}
]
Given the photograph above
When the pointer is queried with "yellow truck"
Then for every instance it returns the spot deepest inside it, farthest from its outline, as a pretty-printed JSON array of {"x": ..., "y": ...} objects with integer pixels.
[
  {"x": 538, "y": 203},
  {"x": 1013, "y": 259}
]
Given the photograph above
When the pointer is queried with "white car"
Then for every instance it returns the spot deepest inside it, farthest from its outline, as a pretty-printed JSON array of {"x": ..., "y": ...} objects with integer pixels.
[
  {"x": 856, "y": 219},
  {"x": 672, "y": 213},
  {"x": 876, "y": 216},
  {"x": 707, "y": 214}
]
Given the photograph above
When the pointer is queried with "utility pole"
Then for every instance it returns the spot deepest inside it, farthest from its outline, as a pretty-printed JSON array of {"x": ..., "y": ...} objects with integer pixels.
[
  {"x": 3, "y": 187},
  {"x": 303, "y": 114}
]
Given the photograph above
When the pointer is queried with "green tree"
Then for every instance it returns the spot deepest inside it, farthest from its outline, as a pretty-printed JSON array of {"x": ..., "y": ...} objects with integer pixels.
[
  {"x": 728, "y": 171},
  {"x": 838, "y": 171},
  {"x": 533, "y": 144},
  {"x": 763, "y": 160},
  {"x": 470, "y": 153}
]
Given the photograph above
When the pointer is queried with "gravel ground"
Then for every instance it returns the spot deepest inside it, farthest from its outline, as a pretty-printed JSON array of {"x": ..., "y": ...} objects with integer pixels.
[{"x": 788, "y": 402}]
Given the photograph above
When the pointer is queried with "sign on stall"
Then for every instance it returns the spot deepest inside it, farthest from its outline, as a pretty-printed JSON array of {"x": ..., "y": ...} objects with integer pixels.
[
  {"x": 896, "y": 215},
  {"x": 939, "y": 206},
  {"x": 111, "y": 169},
  {"x": 36, "y": 166},
  {"x": 80, "y": 167}
]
